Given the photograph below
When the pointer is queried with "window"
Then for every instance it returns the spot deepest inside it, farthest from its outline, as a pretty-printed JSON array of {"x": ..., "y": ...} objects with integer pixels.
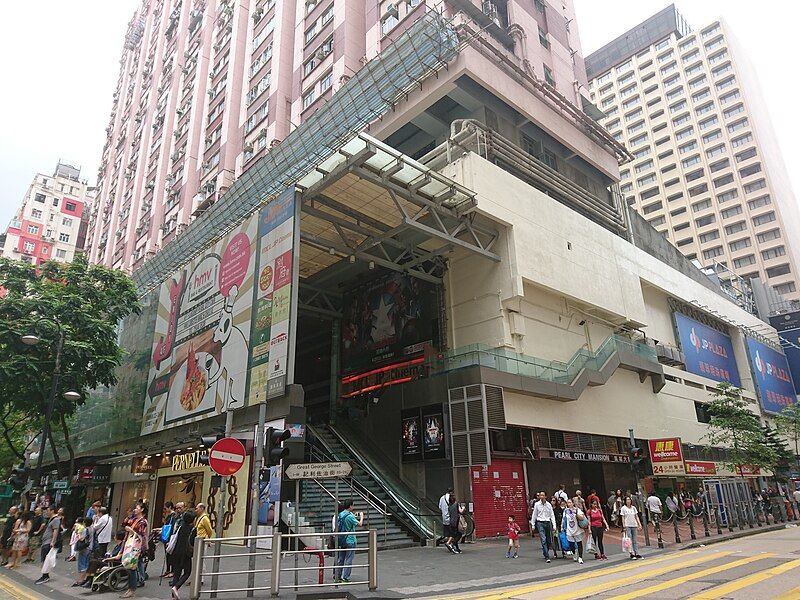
[
  {"x": 701, "y": 412},
  {"x": 309, "y": 66},
  {"x": 311, "y": 5},
  {"x": 773, "y": 252},
  {"x": 261, "y": 87},
  {"x": 726, "y": 83},
  {"x": 638, "y": 139},
  {"x": 633, "y": 114},
  {"x": 687, "y": 147},
  {"x": 543, "y": 38},
  {"x": 704, "y": 109},
  {"x": 673, "y": 197},
  {"x": 63, "y": 237},
  {"x": 669, "y": 68},
  {"x": 631, "y": 102},
  {"x": 39, "y": 197},
  {"x": 694, "y": 69},
  {"x": 764, "y": 219},
  {"x": 691, "y": 56},
  {"x": 662, "y": 44},
  {"x": 641, "y": 153},
  {"x": 709, "y": 122},
  {"x": 756, "y": 185},
  {"x": 710, "y": 31},
  {"x": 657, "y": 221},
  {"x": 730, "y": 96},
  {"x": 603, "y": 78},
  {"x": 540, "y": 8},
  {"x": 702, "y": 205},
  {"x": 734, "y": 110},
  {"x": 684, "y": 133},
  {"x": 674, "y": 93},
  {"x": 624, "y": 66},
  {"x": 624, "y": 79},
  {"x": 262, "y": 59},
  {"x": 669, "y": 168},
  {"x": 310, "y": 34},
  {"x": 751, "y": 170},
  {"x": 744, "y": 261},
  {"x": 681, "y": 226},
  {"x": 55, "y": 201},
  {"x": 677, "y": 211},
  {"x": 640, "y": 168},
  {"x": 326, "y": 16},
  {"x": 388, "y": 23},
  {"x": 29, "y": 246},
  {"x": 36, "y": 213},
  {"x": 684, "y": 242},
  {"x": 778, "y": 271},
  {"x": 634, "y": 128},
  {"x": 728, "y": 196},
  {"x": 696, "y": 83},
  {"x": 256, "y": 117},
  {"x": 548, "y": 76},
  {"x": 664, "y": 139},
  {"x": 649, "y": 193},
  {"x": 66, "y": 222},
  {"x": 703, "y": 221},
  {"x": 741, "y": 124},
  {"x": 735, "y": 228},
  {"x": 740, "y": 244},
  {"x": 666, "y": 55},
  {"x": 698, "y": 189},
  {"x": 772, "y": 234},
  {"x": 710, "y": 137},
  {"x": 785, "y": 288},
  {"x": 713, "y": 252},
  {"x": 326, "y": 83},
  {"x": 70, "y": 207},
  {"x": 764, "y": 200},
  {"x": 697, "y": 174},
  {"x": 268, "y": 28},
  {"x": 671, "y": 182},
  {"x": 44, "y": 249},
  {"x": 740, "y": 141},
  {"x": 626, "y": 188},
  {"x": 709, "y": 237},
  {"x": 651, "y": 208},
  {"x": 664, "y": 155},
  {"x": 731, "y": 212},
  {"x": 678, "y": 106},
  {"x": 745, "y": 154},
  {"x": 61, "y": 254},
  {"x": 700, "y": 96},
  {"x": 33, "y": 229},
  {"x": 715, "y": 151},
  {"x": 724, "y": 180},
  {"x": 308, "y": 99}
]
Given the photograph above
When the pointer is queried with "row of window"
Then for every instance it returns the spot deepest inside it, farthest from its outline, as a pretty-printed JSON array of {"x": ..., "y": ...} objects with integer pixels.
[{"x": 31, "y": 247}]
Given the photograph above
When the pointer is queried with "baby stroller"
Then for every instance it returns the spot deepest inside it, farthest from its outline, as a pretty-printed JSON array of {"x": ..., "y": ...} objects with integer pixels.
[{"x": 112, "y": 576}]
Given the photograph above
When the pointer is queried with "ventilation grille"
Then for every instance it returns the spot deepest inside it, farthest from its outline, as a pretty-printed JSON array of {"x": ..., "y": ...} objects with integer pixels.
[
  {"x": 495, "y": 411},
  {"x": 460, "y": 449},
  {"x": 469, "y": 433},
  {"x": 475, "y": 414},
  {"x": 458, "y": 417},
  {"x": 479, "y": 449}
]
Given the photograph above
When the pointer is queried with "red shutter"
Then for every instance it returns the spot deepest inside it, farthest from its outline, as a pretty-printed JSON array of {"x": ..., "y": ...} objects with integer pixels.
[{"x": 498, "y": 491}]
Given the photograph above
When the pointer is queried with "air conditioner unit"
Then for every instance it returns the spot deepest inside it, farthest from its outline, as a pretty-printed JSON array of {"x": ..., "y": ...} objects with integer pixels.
[
  {"x": 490, "y": 10},
  {"x": 248, "y": 147},
  {"x": 209, "y": 140},
  {"x": 150, "y": 185},
  {"x": 211, "y": 93},
  {"x": 187, "y": 55},
  {"x": 15, "y": 250},
  {"x": 257, "y": 14},
  {"x": 217, "y": 47},
  {"x": 391, "y": 11},
  {"x": 322, "y": 52},
  {"x": 180, "y": 112}
]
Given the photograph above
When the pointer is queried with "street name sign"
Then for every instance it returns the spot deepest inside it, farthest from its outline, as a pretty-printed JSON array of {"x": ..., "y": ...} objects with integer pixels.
[{"x": 332, "y": 470}]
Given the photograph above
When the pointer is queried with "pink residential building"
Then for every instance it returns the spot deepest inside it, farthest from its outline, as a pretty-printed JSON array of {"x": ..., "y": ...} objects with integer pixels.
[
  {"x": 207, "y": 87},
  {"x": 51, "y": 223}
]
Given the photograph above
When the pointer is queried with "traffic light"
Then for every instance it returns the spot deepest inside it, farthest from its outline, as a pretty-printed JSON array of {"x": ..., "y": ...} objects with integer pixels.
[
  {"x": 208, "y": 441},
  {"x": 274, "y": 451},
  {"x": 19, "y": 477},
  {"x": 636, "y": 455}
]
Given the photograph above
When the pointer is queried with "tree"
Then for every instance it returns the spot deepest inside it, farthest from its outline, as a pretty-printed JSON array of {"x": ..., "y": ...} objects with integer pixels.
[
  {"x": 734, "y": 427},
  {"x": 788, "y": 424},
  {"x": 88, "y": 301}
]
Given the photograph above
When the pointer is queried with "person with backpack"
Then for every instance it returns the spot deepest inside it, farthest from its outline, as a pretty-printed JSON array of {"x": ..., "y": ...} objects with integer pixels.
[
  {"x": 164, "y": 532},
  {"x": 347, "y": 523},
  {"x": 573, "y": 522},
  {"x": 456, "y": 530},
  {"x": 84, "y": 544},
  {"x": 181, "y": 549}
]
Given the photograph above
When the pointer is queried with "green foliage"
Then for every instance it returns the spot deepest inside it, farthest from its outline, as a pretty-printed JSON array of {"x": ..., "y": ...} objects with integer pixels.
[
  {"x": 788, "y": 424},
  {"x": 734, "y": 427},
  {"x": 88, "y": 301}
]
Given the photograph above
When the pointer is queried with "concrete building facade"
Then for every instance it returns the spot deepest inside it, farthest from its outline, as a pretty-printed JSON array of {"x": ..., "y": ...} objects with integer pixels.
[
  {"x": 707, "y": 171},
  {"x": 52, "y": 220}
]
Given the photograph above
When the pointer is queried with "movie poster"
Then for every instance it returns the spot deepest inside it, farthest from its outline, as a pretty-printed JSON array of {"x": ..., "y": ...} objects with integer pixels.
[
  {"x": 392, "y": 318},
  {"x": 411, "y": 435},
  {"x": 433, "y": 432}
]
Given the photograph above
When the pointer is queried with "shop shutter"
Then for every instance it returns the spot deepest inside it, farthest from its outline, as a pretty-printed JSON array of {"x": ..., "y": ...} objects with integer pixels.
[{"x": 498, "y": 490}]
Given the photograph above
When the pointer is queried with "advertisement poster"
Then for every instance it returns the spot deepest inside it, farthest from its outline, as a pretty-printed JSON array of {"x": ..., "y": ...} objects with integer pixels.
[
  {"x": 788, "y": 326},
  {"x": 201, "y": 344},
  {"x": 708, "y": 352},
  {"x": 411, "y": 435},
  {"x": 392, "y": 318},
  {"x": 666, "y": 456},
  {"x": 274, "y": 295},
  {"x": 433, "y": 432},
  {"x": 774, "y": 386}
]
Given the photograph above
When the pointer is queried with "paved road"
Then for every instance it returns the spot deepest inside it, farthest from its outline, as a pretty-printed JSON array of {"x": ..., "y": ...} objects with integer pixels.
[{"x": 765, "y": 566}]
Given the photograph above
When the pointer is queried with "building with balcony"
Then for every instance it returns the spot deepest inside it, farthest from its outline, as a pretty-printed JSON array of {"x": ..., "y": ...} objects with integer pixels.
[
  {"x": 707, "y": 171},
  {"x": 51, "y": 223}
]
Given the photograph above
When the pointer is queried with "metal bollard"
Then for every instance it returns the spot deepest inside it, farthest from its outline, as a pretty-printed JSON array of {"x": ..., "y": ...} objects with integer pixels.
[
  {"x": 705, "y": 522},
  {"x": 690, "y": 518},
  {"x": 197, "y": 568},
  {"x": 657, "y": 525},
  {"x": 373, "y": 560},
  {"x": 782, "y": 511},
  {"x": 275, "y": 575},
  {"x": 749, "y": 514},
  {"x": 718, "y": 520},
  {"x": 729, "y": 516},
  {"x": 675, "y": 526},
  {"x": 740, "y": 516}
]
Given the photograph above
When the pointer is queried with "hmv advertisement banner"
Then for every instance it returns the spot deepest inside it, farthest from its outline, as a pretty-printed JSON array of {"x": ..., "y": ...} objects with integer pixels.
[
  {"x": 771, "y": 374},
  {"x": 708, "y": 352}
]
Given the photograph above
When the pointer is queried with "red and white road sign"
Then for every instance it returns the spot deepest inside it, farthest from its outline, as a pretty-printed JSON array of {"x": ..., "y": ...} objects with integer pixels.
[{"x": 226, "y": 456}]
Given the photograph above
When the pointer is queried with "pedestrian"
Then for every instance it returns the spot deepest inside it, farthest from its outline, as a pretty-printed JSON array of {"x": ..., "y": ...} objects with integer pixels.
[
  {"x": 93, "y": 512},
  {"x": 347, "y": 523},
  {"x": 98, "y": 561},
  {"x": 455, "y": 510},
  {"x": 103, "y": 527},
  {"x": 35, "y": 537},
  {"x": 578, "y": 500},
  {"x": 671, "y": 502},
  {"x": 599, "y": 525},
  {"x": 19, "y": 547},
  {"x": 571, "y": 526},
  {"x": 73, "y": 538},
  {"x": 83, "y": 548},
  {"x": 513, "y": 537},
  {"x": 592, "y": 497},
  {"x": 561, "y": 494},
  {"x": 203, "y": 525},
  {"x": 134, "y": 548},
  {"x": 654, "y": 506},
  {"x": 444, "y": 505},
  {"x": 6, "y": 539},
  {"x": 543, "y": 520},
  {"x": 631, "y": 526},
  {"x": 182, "y": 551},
  {"x": 169, "y": 517},
  {"x": 51, "y": 538}
]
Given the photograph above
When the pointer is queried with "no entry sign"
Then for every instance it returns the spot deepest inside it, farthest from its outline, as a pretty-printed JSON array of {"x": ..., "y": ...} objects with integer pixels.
[{"x": 226, "y": 456}]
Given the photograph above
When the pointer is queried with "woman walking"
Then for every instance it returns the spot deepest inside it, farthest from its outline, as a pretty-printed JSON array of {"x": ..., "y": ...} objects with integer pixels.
[
  {"x": 22, "y": 529},
  {"x": 84, "y": 538},
  {"x": 182, "y": 552},
  {"x": 631, "y": 526},
  {"x": 135, "y": 545},
  {"x": 599, "y": 525},
  {"x": 571, "y": 526}
]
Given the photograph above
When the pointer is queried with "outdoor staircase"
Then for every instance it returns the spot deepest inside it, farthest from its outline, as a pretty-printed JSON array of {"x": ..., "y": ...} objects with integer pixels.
[{"x": 381, "y": 511}]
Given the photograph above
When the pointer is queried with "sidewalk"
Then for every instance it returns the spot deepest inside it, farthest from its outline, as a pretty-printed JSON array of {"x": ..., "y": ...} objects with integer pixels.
[{"x": 403, "y": 573}]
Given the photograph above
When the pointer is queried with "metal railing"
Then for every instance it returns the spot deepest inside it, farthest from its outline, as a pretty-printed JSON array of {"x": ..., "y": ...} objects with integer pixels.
[{"x": 278, "y": 567}]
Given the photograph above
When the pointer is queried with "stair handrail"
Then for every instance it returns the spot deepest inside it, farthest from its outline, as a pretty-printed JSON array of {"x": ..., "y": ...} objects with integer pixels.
[{"x": 414, "y": 517}]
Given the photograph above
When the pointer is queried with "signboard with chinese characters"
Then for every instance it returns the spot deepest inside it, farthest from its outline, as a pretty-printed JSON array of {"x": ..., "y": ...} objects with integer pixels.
[
  {"x": 318, "y": 470},
  {"x": 788, "y": 326},
  {"x": 666, "y": 456},
  {"x": 708, "y": 351},
  {"x": 774, "y": 386}
]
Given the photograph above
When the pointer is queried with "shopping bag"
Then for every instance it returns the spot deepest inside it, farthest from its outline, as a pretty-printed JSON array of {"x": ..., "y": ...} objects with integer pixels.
[
  {"x": 627, "y": 544},
  {"x": 50, "y": 561},
  {"x": 131, "y": 551},
  {"x": 562, "y": 539},
  {"x": 591, "y": 548}
]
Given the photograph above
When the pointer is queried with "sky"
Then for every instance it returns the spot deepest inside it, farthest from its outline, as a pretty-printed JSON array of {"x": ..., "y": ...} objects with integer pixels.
[{"x": 61, "y": 61}]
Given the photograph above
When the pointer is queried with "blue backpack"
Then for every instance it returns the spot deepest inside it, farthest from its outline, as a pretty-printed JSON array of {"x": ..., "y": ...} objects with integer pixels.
[{"x": 166, "y": 531}]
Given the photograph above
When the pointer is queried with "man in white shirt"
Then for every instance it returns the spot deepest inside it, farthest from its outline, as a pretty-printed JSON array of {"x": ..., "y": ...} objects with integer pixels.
[
  {"x": 796, "y": 495},
  {"x": 561, "y": 494},
  {"x": 444, "y": 509},
  {"x": 543, "y": 520},
  {"x": 654, "y": 506},
  {"x": 103, "y": 528}
]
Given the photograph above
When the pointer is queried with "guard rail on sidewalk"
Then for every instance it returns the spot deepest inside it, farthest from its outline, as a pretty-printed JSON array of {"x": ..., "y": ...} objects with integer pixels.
[{"x": 276, "y": 565}]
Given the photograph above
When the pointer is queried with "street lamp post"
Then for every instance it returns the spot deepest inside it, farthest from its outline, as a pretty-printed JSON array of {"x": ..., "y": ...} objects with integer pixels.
[{"x": 31, "y": 339}]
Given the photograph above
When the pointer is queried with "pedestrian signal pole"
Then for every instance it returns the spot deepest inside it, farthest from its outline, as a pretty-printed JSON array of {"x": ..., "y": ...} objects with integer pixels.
[{"x": 637, "y": 459}]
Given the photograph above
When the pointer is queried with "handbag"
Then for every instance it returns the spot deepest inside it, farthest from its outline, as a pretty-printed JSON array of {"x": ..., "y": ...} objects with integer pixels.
[
  {"x": 166, "y": 531},
  {"x": 131, "y": 550},
  {"x": 173, "y": 540},
  {"x": 562, "y": 539},
  {"x": 627, "y": 544},
  {"x": 583, "y": 522},
  {"x": 462, "y": 524},
  {"x": 591, "y": 547}
]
